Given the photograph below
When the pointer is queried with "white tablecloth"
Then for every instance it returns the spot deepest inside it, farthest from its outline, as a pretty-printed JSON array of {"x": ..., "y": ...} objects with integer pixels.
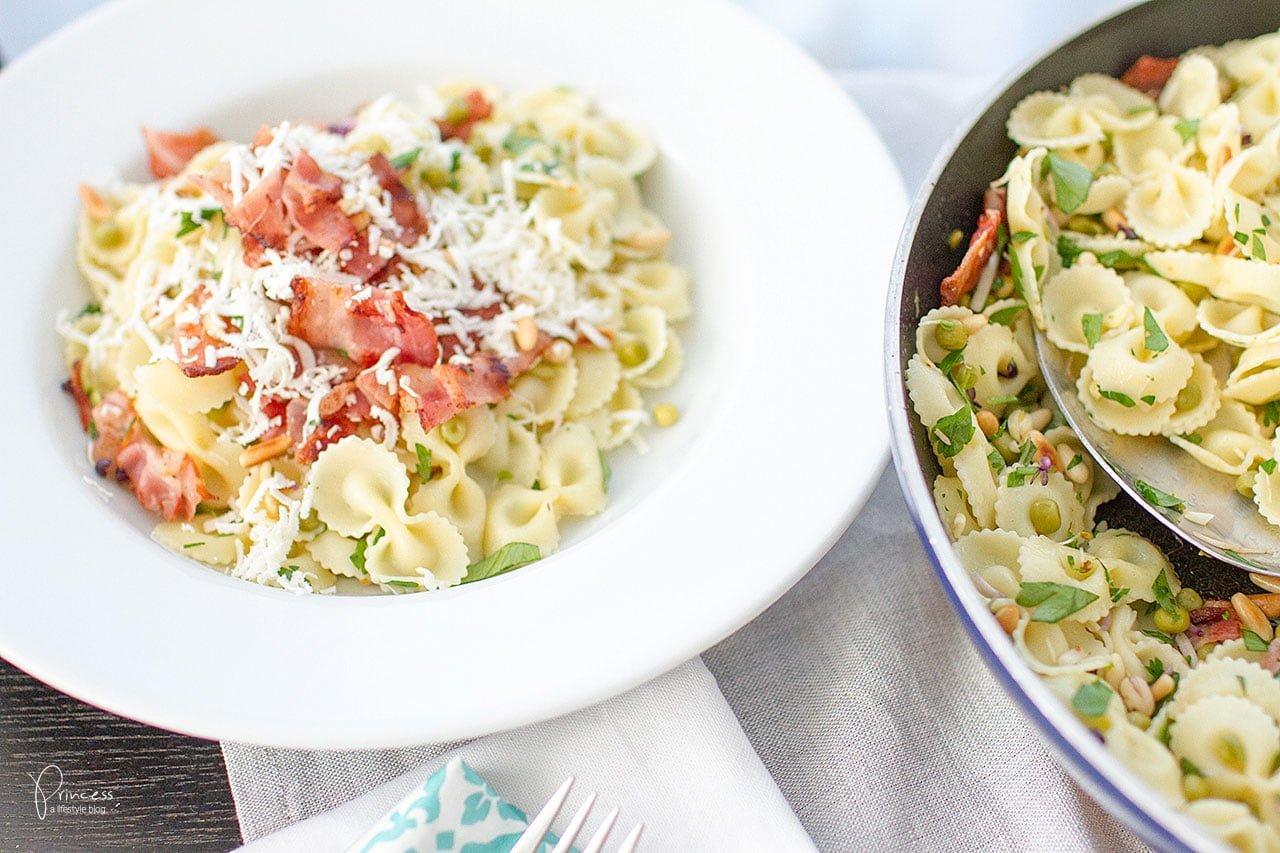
[{"x": 859, "y": 691}]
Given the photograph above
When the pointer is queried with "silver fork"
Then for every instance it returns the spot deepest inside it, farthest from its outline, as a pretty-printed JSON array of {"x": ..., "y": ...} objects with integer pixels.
[{"x": 541, "y": 825}]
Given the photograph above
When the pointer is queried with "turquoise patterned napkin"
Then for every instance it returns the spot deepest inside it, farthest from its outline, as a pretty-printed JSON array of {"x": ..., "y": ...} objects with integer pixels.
[{"x": 456, "y": 810}]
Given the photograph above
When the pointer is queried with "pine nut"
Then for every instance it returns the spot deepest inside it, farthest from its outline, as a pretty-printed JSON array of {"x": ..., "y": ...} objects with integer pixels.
[
  {"x": 1040, "y": 418},
  {"x": 1115, "y": 220},
  {"x": 1161, "y": 687},
  {"x": 1008, "y": 617},
  {"x": 1267, "y": 582},
  {"x": 361, "y": 220},
  {"x": 526, "y": 333},
  {"x": 1269, "y": 604},
  {"x": 1137, "y": 695},
  {"x": 559, "y": 352},
  {"x": 648, "y": 240},
  {"x": 1251, "y": 617},
  {"x": 988, "y": 423},
  {"x": 264, "y": 450},
  {"x": 974, "y": 322},
  {"x": 1019, "y": 424}
]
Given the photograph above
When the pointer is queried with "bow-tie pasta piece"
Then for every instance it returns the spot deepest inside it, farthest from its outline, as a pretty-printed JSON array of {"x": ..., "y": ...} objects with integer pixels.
[
  {"x": 606, "y": 298},
  {"x": 452, "y": 494},
  {"x": 1032, "y": 258},
  {"x": 992, "y": 555},
  {"x": 112, "y": 228},
  {"x": 387, "y": 125},
  {"x": 948, "y": 495},
  {"x": 1152, "y": 150},
  {"x": 1119, "y": 412},
  {"x": 599, "y": 372},
  {"x": 1173, "y": 309},
  {"x": 468, "y": 435},
  {"x": 1083, "y": 291},
  {"x": 1266, "y": 492},
  {"x": 190, "y": 539},
  {"x": 618, "y": 419},
  {"x": 933, "y": 329},
  {"x": 1129, "y": 373},
  {"x": 1233, "y": 823},
  {"x": 1147, "y": 758},
  {"x": 519, "y": 514},
  {"x": 1220, "y": 138},
  {"x": 1198, "y": 401},
  {"x": 1106, "y": 192},
  {"x": 1259, "y": 104},
  {"x": 1042, "y": 560},
  {"x": 576, "y": 217},
  {"x": 335, "y": 552},
  {"x": 572, "y": 470},
  {"x": 1253, "y": 226},
  {"x": 557, "y": 112},
  {"x": 543, "y": 393},
  {"x": 1061, "y": 648},
  {"x": 1043, "y": 504},
  {"x": 358, "y": 485},
  {"x": 1231, "y": 443},
  {"x": 1171, "y": 207},
  {"x": 1115, "y": 106},
  {"x": 643, "y": 340},
  {"x": 514, "y": 456},
  {"x": 1250, "y": 60},
  {"x": 1256, "y": 378},
  {"x": 618, "y": 140},
  {"x": 1226, "y": 737},
  {"x": 1133, "y": 563},
  {"x": 630, "y": 223},
  {"x": 422, "y": 549},
  {"x": 164, "y": 383},
  {"x": 659, "y": 284},
  {"x": 1004, "y": 367},
  {"x": 1193, "y": 89},
  {"x": 1227, "y": 677},
  {"x": 1053, "y": 120}
]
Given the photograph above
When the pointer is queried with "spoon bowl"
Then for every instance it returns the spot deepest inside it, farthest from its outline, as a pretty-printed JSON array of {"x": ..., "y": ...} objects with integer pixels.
[{"x": 1208, "y": 512}]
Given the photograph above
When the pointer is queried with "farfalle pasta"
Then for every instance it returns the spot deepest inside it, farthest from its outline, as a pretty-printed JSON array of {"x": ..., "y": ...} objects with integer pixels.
[
  {"x": 1137, "y": 226},
  {"x": 391, "y": 350}
]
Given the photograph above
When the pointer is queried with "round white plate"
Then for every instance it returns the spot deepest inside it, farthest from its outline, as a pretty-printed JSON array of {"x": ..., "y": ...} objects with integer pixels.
[{"x": 785, "y": 207}]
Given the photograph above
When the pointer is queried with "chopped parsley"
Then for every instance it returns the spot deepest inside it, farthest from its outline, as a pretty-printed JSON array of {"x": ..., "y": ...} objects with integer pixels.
[
  {"x": 952, "y": 432},
  {"x": 1091, "y": 326},
  {"x": 1005, "y": 316},
  {"x": 1149, "y": 399},
  {"x": 1271, "y": 413},
  {"x": 513, "y": 555},
  {"x": 1188, "y": 768},
  {"x": 403, "y": 161},
  {"x": 1253, "y": 642},
  {"x": 1020, "y": 237},
  {"x": 1069, "y": 250},
  {"x": 1268, "y": 466},
  {"x": 518, "y": 141},
  {"x": 1053, "y": 602},
  {"x": 1117, "y": 397},
  {"x": 1075, "y": 460},
  {"x": 1187, "y": 128},
  {"x": 1071, "y": 182},
  {"x": 405, "y": 584},
  {"x": 1192, "y": 437},
  {"x": 1155, "y": 668},
  {"x": 190, "y": 222},
  {"x": 193, "y": 545},
  {"x": 1164, "y": 595},
  {"x": 1155, "y": 497},
  {"x": 424, "y": 462},
  {"x": 358, "y": 555}
]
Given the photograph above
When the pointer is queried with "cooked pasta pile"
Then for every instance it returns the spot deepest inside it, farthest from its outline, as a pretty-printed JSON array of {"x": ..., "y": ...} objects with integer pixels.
[
  {"x": 393, "y": 349},
  {"x": 1139, "y": 226}
]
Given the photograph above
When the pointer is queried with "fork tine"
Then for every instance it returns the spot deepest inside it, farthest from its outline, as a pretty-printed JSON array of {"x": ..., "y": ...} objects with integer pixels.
[
  {"x": 532, "y": 837},
  {"x": 575, "y": 826},
  {"x": 596, "y": 844},
  {"x": 633, "y": 838}
]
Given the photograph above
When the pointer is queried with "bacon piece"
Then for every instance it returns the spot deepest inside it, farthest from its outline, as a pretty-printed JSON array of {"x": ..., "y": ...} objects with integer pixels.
[
  {"x": 364, "y": 263},
  {"x": 262, "y": 137},
  {"x": 260, "y": 215},
  {"x": 1271, "y": 660},
  {"x": 1211, "y": 611},
  {"x": 169, "y": 153},
  {"x": 981, "y": 245},
  {"x": 311, "y": 198},
  {"x": 164, "y": 480},
  {"x": 403, "y": 205},
  {"x": 75, "y": 387},
  {"x": 195, "y": 343},
  {"x": 1215, "y": 632},
  {"x": 1150, "y": 74},
  {"x": 478, "y": 109},
  {"x": 324, "y": 314}
]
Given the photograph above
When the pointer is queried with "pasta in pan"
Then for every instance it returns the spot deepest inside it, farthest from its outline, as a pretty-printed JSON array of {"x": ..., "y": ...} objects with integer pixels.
[
  {"x": 389, "y": 351},
  {"x": 1139, "y": 227}
]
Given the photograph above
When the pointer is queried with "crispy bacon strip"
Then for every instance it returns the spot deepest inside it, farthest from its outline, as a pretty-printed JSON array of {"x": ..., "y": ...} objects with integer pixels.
[
  {"x": 169, "y": 153},
  {"x": 311, "y": 198},
  {"x": 478, "y": 109},
  {"x": 364, "y": 262},
  {"x": 329, "y": 315},
  {"x": 981, "y": 246},
  {"x": 164, "y": 480},
  {"x": 195, "y": 343},
  {"x": 403, "y": 205},
  {"x": 1150, "y": 74},
  {"x": 75, "y": 387}
]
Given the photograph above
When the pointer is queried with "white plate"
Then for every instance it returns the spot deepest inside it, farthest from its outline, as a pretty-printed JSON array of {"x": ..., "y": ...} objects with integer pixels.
[{"x": 785, "y": 207}]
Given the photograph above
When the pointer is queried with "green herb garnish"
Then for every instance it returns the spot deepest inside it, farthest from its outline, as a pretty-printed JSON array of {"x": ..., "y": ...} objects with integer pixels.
[
  {"x": 1092, "y": 699},
  {"x": 1187, "y": 128},
  {"x": 424, "y": 462},
  {"x": 1091, "y": 326},
  {"x": 1164, "y": 595},
  {"x": 1005, "y": 316},
  {"x": 1155, "y": 497},
  {"x": 403, "y": 161},
  {"x": 1155, "y": 339},
  {"x": 1053, "y": 601},
  {"x": 952, "y": 432},
  {"x": 1117, "y": 397},
  {"x": 510, "y": 556},
  {"x": 1253, "y": 642},
  {"x": 1071, "y": 182}
]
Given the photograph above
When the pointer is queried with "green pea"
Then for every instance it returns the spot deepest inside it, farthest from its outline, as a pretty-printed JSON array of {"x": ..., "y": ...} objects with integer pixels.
[
  {"x": 951, "y": 335},
  {"x": 1244, "y": 484},
  {"x": 454, "y": 430},
  {"x": 1139, "y": 719},
  {"x": 1045, "y": 516},
  {"x": 1086, "y": 225},
  {"x": 1195, "y": 787},
  {"x": 107, "y": 234},
  {"x": 633, "y": 353},
  {"x": 1190, "y": 599},
  {"x": 436, "y": 177},
  {"x": 458, "y": 111},
  {"x": 954, "y": 239},
  {"x": 1172, "y": 623},
  {"x": 1188, "y": 398}
]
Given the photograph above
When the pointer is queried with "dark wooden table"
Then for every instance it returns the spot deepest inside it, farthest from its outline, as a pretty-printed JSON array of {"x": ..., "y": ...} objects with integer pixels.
[{"x": 154, "y": 789}]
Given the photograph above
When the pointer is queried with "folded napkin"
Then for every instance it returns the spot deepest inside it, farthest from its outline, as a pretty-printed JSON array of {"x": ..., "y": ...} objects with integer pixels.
[{"x": 669, "y": 754}]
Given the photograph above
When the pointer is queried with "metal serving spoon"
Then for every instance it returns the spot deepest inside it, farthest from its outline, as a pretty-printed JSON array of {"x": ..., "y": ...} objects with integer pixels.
[{"x": 1235, "y": 533}]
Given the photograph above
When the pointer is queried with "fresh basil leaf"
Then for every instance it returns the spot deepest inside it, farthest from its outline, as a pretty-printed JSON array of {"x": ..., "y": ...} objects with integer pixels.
[
  {"x": 1149, "y": 399},
  {"x": 1253, "y": 642},
  {"x": 1005, "y": 316},
  {"x": 1071, "y": 182},
  {"x": 1271, "y": 413},
  {"x": 1155, "y": 339},
  {"x": 1020, "y": 237},
  {"x": 1092, "y": 699},
  {"x": 1159, "y": 635},
  {"x": 1164, "y": 595},
  {"x": 1117, "y": 594},
  {"x": 1187, "y": 128},
  {"x": 1075, "y": 460},
  {"x": 513, "y": 555},
  {"x": 1117, "y": 397},
  {"x": 1268, "y": 466},
  {"x": 1155, "y": 668},
  {"x": 1192, "y": 437},
  {"x": 1155, "y": 497},
  {"x": 951, "y": 360},
  {"x": 1069, "y": 250},
  {"x": 406, "y": 584},
  {"x": 518, "y": 142},
  {"x": 1053, "y": 601},
  {"x": 951, "y": 433},
  {"x": 1091, "y": 325},
  {"x": 400, "y": 162},
  {"x": 424, "y": 462}
]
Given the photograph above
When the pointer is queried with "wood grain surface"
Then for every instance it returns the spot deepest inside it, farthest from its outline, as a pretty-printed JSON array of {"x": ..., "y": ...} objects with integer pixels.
[{"x": 156, "y": 790}]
